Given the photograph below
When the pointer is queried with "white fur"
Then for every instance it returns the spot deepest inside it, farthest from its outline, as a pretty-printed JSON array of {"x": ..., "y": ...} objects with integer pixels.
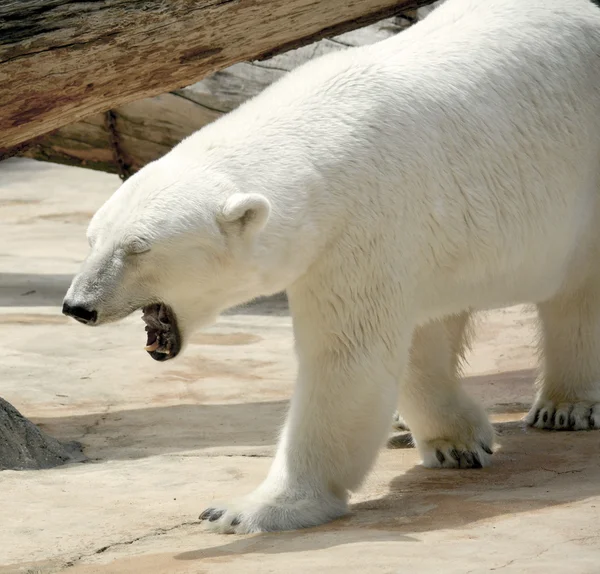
[{"x": 393, "y": 190}]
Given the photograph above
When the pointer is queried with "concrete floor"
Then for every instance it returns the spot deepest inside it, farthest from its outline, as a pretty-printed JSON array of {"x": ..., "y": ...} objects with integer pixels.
[{"x": 164, "y": 440}]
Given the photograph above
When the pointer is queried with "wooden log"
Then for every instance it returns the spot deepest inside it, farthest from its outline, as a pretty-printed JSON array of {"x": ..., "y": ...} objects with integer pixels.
[
  {"x": 64, "y": 60},
  {"x": 145, "y": 130},
  {"x": 123, "y": 140}
]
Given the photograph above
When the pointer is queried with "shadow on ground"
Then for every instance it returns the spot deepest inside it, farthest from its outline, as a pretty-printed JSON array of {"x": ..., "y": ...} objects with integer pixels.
[
  {"x": 32, "y": 290},
  {"x": 533, "y": 470},
  {"x": 140, "y": 433}
]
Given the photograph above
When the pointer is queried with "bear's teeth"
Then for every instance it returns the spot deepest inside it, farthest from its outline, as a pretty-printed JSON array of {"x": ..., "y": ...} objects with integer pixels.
[{"x": 152, "y": 347}]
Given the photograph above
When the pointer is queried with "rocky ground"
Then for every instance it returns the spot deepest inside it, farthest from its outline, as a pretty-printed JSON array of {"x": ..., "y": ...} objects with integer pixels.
[{"x": 163, "y": 441}]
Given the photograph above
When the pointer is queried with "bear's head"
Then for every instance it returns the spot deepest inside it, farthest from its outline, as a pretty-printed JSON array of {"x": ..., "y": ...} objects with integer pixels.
[{"x": 180, "y": 244}]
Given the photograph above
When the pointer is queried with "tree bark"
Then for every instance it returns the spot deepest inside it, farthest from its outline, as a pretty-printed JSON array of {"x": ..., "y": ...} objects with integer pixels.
[
  {"x": 64, "y": 60},
  {"x": 130, "y": 136}
]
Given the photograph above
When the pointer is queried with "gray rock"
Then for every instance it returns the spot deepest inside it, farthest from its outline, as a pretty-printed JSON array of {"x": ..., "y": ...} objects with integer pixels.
[{"x": 23, "y": 446}]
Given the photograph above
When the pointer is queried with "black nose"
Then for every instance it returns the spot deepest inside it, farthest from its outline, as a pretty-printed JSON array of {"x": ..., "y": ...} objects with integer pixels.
[{"x": 80, "y": 313}]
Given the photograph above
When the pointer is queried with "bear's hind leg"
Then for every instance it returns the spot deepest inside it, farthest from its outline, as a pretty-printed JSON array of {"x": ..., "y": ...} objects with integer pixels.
[
  {"x": 398, "y": 423},
  {"x": 568, "y": 396},
  {"x": 449, "y": 429}
]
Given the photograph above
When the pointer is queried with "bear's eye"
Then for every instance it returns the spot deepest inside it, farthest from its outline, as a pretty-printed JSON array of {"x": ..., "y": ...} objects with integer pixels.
[{"x": 137, "y": 246}]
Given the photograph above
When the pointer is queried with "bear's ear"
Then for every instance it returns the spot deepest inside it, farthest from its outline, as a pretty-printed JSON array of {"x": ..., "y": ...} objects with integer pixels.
[{"x": 248, "y": 211}]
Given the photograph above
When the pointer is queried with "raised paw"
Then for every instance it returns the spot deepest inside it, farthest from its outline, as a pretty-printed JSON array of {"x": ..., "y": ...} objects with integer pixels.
[
  {"x": 564, "y": 416},
  {"x": 259, "y": 514},
  {"x": 442, "y": 453}
]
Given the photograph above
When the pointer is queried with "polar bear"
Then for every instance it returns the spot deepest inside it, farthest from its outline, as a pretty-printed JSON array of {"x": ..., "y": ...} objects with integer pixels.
[{"x": 392, "y": 190}]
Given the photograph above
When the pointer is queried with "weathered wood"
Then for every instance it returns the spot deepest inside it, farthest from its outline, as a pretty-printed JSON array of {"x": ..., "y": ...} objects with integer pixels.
[
  {"x": 145, "y": 130},
  {"x": 64, "y": 60},
  {"x": 149, "y": 128}
]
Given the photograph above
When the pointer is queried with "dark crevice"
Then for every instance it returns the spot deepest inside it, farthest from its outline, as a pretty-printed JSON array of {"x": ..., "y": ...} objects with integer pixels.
[
  {"x": 157, "y": 532},
  {"x": 52, "y": 48},
  {"x": 184, "y": 96}
]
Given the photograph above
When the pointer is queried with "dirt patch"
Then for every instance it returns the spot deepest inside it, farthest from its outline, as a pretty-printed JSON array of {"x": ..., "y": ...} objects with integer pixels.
[
  {"x": 225, "y": 339},
  {"x": 509, "y": 408},
  {"x": 32, "y": 319},
  {"x": 204, "y": 368},
  {"x": 12, "y": 202},
  {"x": 69, "y": 217}
]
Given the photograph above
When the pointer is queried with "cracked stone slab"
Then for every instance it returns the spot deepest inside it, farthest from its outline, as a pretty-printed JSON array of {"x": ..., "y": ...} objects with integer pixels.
[
  {"x": 404, "y": 517},
  {"x": 165, "y": 441}
]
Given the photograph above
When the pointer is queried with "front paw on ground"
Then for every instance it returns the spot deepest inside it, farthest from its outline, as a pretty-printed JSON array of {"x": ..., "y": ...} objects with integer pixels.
[
  {"x": 550, "y": 415},
  {"x": 446, "y": 454},
  {"x": 218, "y": 519},
  {"x": 252, "y": 514}
]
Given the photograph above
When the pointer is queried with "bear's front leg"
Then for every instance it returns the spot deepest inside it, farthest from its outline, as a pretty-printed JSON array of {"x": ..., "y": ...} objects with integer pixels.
[{"x": 338, "y": 419}]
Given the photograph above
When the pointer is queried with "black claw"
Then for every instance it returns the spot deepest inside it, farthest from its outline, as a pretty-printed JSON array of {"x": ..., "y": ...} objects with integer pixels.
[
  {"x": 455, "y": 455},
  {"x": 440, "y": 456},
  {"x": 536, "y": 418},
  {"x": 561, "y": 420},
  {"x": 591, "y": 418},
  {"x": 486, "y": 448},
  {"x": 216, "y": 515},
  {"x": 468, "y": 458},
  {"x": 206, "y": 514},
  {"x": 476, "y": 461},
  {"x": 545, "y": 417},
  {"x": 235, "y": 521},
  {"x": 571, "y": 421}
]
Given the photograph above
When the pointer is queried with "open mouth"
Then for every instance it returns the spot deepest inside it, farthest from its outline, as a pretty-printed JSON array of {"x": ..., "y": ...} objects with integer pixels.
[{"x": 164, "y": 339}]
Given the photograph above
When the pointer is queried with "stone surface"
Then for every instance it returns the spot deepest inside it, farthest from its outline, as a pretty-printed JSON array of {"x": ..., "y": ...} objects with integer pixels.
[{"x": 164, "y": 440}]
